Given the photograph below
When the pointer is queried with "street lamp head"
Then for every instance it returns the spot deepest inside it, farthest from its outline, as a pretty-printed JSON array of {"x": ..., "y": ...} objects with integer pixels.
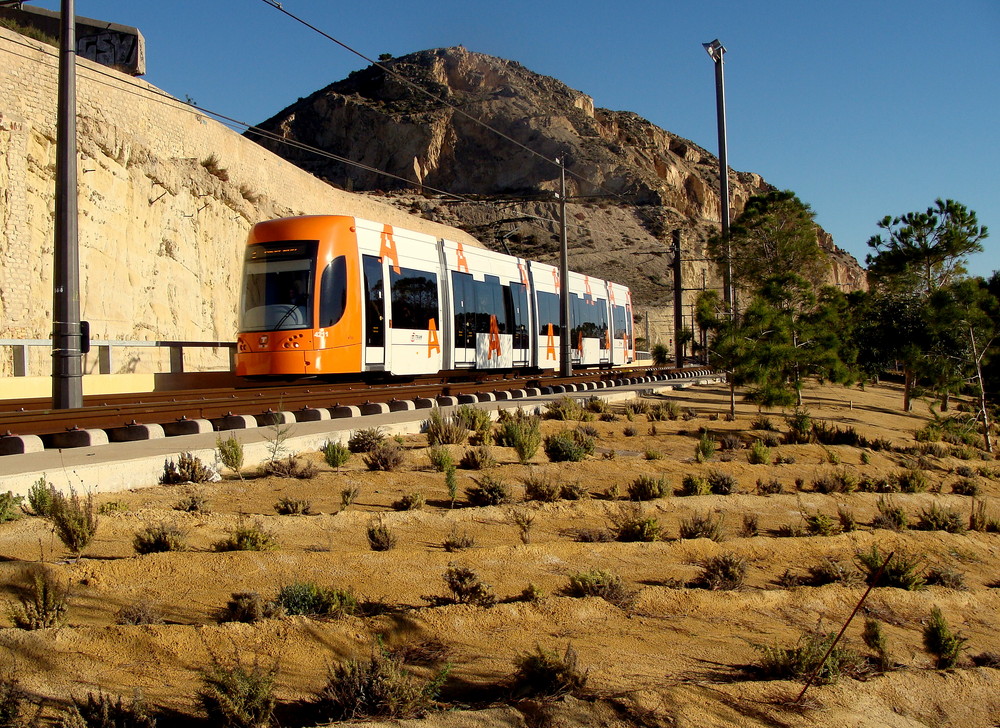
[{"x": 715, "y": 49}]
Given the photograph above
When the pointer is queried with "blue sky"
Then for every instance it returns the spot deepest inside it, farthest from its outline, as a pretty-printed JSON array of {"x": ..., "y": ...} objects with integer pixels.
[{"x": 864, "y": 109}]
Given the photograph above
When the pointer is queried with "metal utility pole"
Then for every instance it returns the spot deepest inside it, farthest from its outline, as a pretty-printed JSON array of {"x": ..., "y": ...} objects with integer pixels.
[
  {"x": 716, "y": 51},
  {"x": 67, "y": 369},
  {"x": 678, "y": 296},
  {"x": 565, "y": 355}
]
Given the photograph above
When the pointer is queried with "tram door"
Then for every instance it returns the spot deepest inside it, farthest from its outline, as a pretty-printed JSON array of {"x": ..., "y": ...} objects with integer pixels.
[{"x": 374, "y": 310}]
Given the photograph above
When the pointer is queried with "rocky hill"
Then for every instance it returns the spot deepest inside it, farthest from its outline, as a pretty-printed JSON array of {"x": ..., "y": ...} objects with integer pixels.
[{"x": 633, "y": 181}]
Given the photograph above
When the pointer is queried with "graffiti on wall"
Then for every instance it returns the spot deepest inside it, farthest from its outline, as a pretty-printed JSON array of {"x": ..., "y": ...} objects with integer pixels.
[{"x": 124, "y": 51}]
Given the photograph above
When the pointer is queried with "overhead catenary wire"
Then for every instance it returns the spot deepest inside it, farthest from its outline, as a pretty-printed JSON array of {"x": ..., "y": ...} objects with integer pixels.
[{"x": 430, "y": 94}]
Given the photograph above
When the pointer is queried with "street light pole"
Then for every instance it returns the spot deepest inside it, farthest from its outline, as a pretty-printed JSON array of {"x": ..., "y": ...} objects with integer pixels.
[
  {"x": 565, "y": 356},
  {"x": 67, "y": 370},
  {"x": 716, "y": 51}
]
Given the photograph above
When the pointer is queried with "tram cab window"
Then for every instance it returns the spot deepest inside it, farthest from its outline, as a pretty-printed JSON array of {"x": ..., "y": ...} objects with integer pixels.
[
  {"x": 278, "y": 286},
  {"x": 333, "y": 292},
  {"x": 414, "y": 298}
]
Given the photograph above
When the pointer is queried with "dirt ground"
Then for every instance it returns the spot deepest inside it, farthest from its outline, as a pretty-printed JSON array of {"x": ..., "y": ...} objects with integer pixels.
[{"x": 673, "y": 655}]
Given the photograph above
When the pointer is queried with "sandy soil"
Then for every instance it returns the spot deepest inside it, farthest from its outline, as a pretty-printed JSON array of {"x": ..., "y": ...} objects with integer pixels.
[{"x": 676, "y": 655}]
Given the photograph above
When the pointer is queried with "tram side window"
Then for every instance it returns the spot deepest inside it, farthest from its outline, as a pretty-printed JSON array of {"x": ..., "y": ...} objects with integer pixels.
[
  {"x": 374, "y": 302},
  {"x": 414, "y": 298},
  {"x": 463, "y": 296},
  {"x": 516, "y": 305},
  {"x": 548, "y": 313},
  {"x": 489, "y": 301},
  {"x": 601, "y": 312},
  {"x": 333, "y": 292}
]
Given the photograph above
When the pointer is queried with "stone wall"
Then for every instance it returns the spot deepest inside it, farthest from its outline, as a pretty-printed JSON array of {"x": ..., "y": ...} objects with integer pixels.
[{"x": 167, "y": 196}]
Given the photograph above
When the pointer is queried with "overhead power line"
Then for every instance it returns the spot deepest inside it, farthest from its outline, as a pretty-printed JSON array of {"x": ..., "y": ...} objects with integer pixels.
[{"x": 417, "y": 87}]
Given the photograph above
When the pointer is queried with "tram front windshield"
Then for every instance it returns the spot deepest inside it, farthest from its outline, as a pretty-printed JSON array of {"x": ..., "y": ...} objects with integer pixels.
[{"x": 278, "y": 282}]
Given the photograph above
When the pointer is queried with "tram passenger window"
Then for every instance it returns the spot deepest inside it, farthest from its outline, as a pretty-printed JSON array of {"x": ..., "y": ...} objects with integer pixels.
[
  {"x": 333, "y": 292},
  {"x": 463, "y": 296},
  {"x": 516, "y": 305},
  {"x": 601, "y": 315},
  {"x": 374, "y": 302},
  {"x": 548, "y": 313},
  {"x": 414, "y": 298}
]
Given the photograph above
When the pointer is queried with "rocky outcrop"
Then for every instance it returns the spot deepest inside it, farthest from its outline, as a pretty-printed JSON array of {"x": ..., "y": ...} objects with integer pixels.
[{"x": 633, "y": 182}]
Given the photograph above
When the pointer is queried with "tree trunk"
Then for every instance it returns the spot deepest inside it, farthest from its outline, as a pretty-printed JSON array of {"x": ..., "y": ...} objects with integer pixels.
[
  {"x": 907, "y": 385},
  {"x": 945, "y": 399},
  {"x": 732, "y": 398}
]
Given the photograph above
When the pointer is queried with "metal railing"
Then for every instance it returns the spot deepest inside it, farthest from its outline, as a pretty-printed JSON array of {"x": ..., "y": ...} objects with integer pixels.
[{"x": 104, "y": 348}]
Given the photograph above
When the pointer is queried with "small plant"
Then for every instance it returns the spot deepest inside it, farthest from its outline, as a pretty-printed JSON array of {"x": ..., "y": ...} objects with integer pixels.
[
  {"x": 158, "y": 538},
  {"x": 838, "y": 481},
  {"x": 13, "y": 703},
  {"x": 847, "y": 521},
  {"x": 568, "y": 446},
  {"x": 630, "y": 525},
  {"x": 451, "y": 483},
  {"x": 645, "y": 488},
  {"x": 653, "y": 455},
  {"x": 366, "y": 440},
  {"x": 385, "y": 456},
  {"x": 478, "y": 458},
  {"x": 413, "y": 501},
  {"x": 43, "y": 602},
  {"x": 292, "y": 466},
  {"x": 760, "y": 454},
  {"x": 74, "y": 520},
  {"x": 695, "y": 485},
  {"x": 980, "y": 521},
  {"x": 475, "y": 419},
  {"x": 380, "y": 537},
  {"x": 831, "y": 571},
  {"x": 523, "y": 521},
  {"x": 966, "y": 486},
  {"x": 771, "y": 486},
  {"x": 101, "y": 711},
  {"x": 799, "y": 427},
  {"x": 467, "y": 588},
  {"x": 440, "y": 458},
  {"x": 196, "y": 502},
  {"x": 211, "y": 165},
  {"x": 308, "y": 598},
  {"x": 40, "y": 496},
  {"x": 442, "y": 430},
  {"x": 902, "y": 571},
  {"x": 532, "y": 593},
  {"x": 801, "y": 661},
  {"x": 188, "y": 469},
  {"x": 875, "y": 639},
  {"x": 230, "y": 452},
  {"x": 565, "y": 408},
  {"x": 729, "y": 442},
  {"x": 458, "y": 541},
  {"x": 912, "y": 480},
  {"x": 544, "y": 674},
  {"x": 703, "y": 525},
  {"x": 943, "y": 644},
  {"x": 750, "y": 527},
  {"x": 238, "y": 695},
  {"x": 721, "y": 483},
  {"x": 936, "y": 518},
  {"x": 866, "y": 457},
  {"x": 945, "y": 576},
  {"x": 523, "y": 433},
  {"x": 115, "y": 506},
  {"x": 488, "y": 491},
  {"x": 247, "y": 536},
  {"x": 629, "y": 431},
  {"x": 248, "y": 607},
  {"x": 704, "y": 448},
  {"x": 287, "y": 506},
  {"x": 348, "y": 495},
  {"x": 139, "y": 612},
  {"x": 820, "y": 524},
  {"x": 724, "y": 572},
  {"x": 336, "y": 454},
  {"x": 790, "y": 530},
  {"x": 890, "y": 516},
  {"x": 376, "y": 687},
  {"x": 598, "y": 583},
  {"x": 541, "y": 487}
]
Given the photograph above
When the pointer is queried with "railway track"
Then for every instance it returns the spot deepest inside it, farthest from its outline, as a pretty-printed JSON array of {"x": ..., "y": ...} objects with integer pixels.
[{"x": 31, "y": 425}]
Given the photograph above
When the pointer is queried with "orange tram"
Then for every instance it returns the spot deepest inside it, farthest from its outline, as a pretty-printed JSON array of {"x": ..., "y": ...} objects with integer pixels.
[{"x": 327, "y": 295}]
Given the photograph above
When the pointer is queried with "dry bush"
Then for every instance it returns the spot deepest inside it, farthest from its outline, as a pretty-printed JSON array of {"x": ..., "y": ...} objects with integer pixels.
[
  {"x": 287, "y": 506},
  {"x": 936, "y": 518},
  {"x": 142, "y": 611},
  {"x": 724, "y": 572},
  {"x": 409, "y": 502},
  {"x": 196, "y": 502},
  {"x": 236, "y": 695},
  {"x": 458, "y": 541},
  {"x": 159, "y": 538},
  {"x": 629, "y": 524},
  {"x": 544, "y": 674},
  {"x": 646, "y": 487},
  {"x": 247, "y": 536},
  {"x": 890, "y": 516},
  {"x": 721, "y": 483},
  {"x": 188, "y": 469},
  {"x": 541, "y": 487},
  {"x": 488, "y": 491},
  {"x": 478, "y": 458},
  {"x": 74, "y": 520},
  {"x": 43, "y": 602},
  {"x": 293, "y": 466},
  {"x": 248, "y": 607},
  {"x": 599, "y": 583},
  {"x": 442, "y": 430},
  {"x": 101, "y": 711},
  {"x": 380, "y": 536},
  {"x": 464, "y": 587},
  {"x": 703, "y": 525},
  {"x": 366, "y": 440}
]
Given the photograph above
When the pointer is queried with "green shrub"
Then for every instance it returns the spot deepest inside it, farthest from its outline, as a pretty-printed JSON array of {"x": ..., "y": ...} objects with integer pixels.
[
  {"x": 238, "y": 695},
  {"x": 366, "y": 440},
  {"x": 772, "y": 486},
  {"x": 380, "y": 537},
  {"x": 442, "y": 430},
  {"x": 847, "y": 521},
  {"x": 598, "y": 583},
  {"x": 409, "y": 502},
  {"x": 831, "y": 571},
  {"x": 375, "y": 688},
  {"x": 451, "y": 483},
  {"x": 890, "y": 516},
  {"x": 247, "y": 537},
  {"x": 544, "y": 674},
  {"x": 308, "y": 598},
  {"x": 158, "y": 538},
  {"x": 43, "y": 602},
  {"x": 704, "y": 448},
  {"x": 646, "y": 487},
  {"x": 943, "y": 644},
  {"x": 564, "y": 408},
  {"x": 721, "y": 483},
  {"x": 597, "y": 406},
  {"x": 760, "y": 454},
  {"x": 912, "y": 480},
  {"x": 629, "y": 524},
  {"x": 488, "y": 491},
  {"x": 800, "y": 429},
  {"x": 41, "y": 493},
  {"x": 966, "y": 486},
  {"x": 466, "y": 587},
  {"x": 568, "y": 446},
  {"x": 74, "y": 520},
  {"x": 541, "y": 487},
  {"x": 820, "y": 524},
  {"x": 478, "y": 458},
  {"x": 695, "y": 485},
  {"x": 475, "y": 419},
  {"x": 523, "y": 433},
  {"x": 10, "y": 506},
  {"x": 115, "y": 506},
  {"x": 796, "y": 663},
  {"x": 188, "y": 469},
  {"x": 196, "y": 502},
  {"x": 724, "y": 572},
  {"x": 287, "y": 506},
  {"x": 348, "y": 495},
  {"x": 13, "y": 703},
  {"x": 440, "y": 458},
  {"x": 336, "y": 454},
  {"x": 248, "y": 607},
  {"x": 902, "y": 571},
  {"x": 230, "y": 453},
  {"x": 101, "y": 711},
  {"x": 653, "y": 455},
  {"x": 936, "y": 518},
  {"x": 385, "y": 456},
  {"x": 875, "y": 639},
  {"x": 703, "y": 525}
]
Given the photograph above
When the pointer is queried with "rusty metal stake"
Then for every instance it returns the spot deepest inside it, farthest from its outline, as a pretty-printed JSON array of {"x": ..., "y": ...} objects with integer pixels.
[{"x": 875, "y": 579}]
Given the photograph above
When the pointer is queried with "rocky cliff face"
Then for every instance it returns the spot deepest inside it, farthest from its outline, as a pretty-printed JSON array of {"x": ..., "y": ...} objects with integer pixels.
[{"x": 633, "y": 182}]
